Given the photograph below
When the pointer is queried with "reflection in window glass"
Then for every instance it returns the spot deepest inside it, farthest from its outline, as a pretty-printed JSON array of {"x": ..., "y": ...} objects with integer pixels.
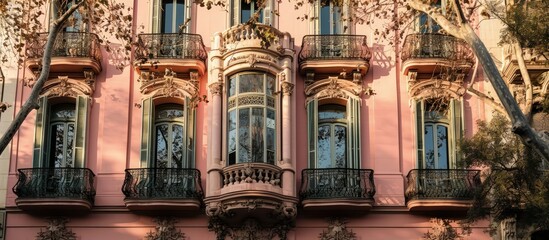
[
  {"x": 252, "y": 113},
  {"x": 332, "y": 136},
  {"x": 169, "y": 137},
  {"x": 173, "y": 15},
  {"x": 62, "y": 132}
]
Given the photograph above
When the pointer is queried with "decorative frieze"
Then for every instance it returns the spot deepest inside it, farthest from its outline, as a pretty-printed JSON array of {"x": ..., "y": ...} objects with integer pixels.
[
  {"x": 165, "y": 230},
  {"x": 337, "y": 231},
  {"x": 168, "y": 85},
  {"x": 56, "y": 229},
  {"x": 251, "y": 229}
]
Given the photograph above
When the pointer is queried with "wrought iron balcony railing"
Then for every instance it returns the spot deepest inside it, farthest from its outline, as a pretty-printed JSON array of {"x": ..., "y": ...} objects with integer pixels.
[
  {"x": 171, "y": 46},
  {"x": 455, "y": 184},
  {"x": 437, "y": 46},
  {"x": 337, "y": 183},
  {"x": 68, "y": 44},
  {"x": 343, "y": 47},
  {"x": 56, "y": 183},
  {"x": 162, "y": 183}
]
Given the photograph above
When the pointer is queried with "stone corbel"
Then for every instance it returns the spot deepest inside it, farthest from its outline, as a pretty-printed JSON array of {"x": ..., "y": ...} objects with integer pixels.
[
  {"x": 89, "y": 78},
  {"x": 193, "y": 75},
  {"x": 411, "y": 79},
  {"x": 32, "y": 80},
  {"x": 357, "y": 77},
  {"x": 216, "y": 88},
  {"x": 309, "y": 78},
  {"x": 145, "y": 77}
]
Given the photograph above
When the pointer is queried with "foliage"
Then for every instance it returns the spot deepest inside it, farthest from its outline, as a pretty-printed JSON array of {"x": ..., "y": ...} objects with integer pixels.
[
  {"x": 515, "y": 185},
  {"x": 442, "y": 229},
  {"x": 526, "y": 22},
  {"x": 23, "y": 20}
]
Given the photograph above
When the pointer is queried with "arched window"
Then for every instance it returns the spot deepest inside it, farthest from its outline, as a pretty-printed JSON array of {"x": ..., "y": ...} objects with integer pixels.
[
  {"x": 334, "y": 133},
  {"x": 169, "y": 138},
  {"x": 251, "y": 124},
  {"x": 332, "y": 136},
  {"x": 61, "y": 135},
  {"x": 439, "y": 128}
]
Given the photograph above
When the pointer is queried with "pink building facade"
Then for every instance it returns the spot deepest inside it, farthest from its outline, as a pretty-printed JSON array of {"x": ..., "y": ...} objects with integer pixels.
[{"x": 323, "y": 133}]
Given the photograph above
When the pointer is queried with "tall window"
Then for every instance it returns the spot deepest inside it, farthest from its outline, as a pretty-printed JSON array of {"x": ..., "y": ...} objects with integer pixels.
[
  {"x": 332, "y": 136},
  {"x": 168, "y": 134},
  {"x": 61, "y": 135},
  {"x": 439, "y": 129},
  {"x": 60, "y": 132},
  {"x": 334, "y": 133},
  {"x": 243, "y": 10},
  {"x": 170, "y": 137},
  {"x": 330, "y": 18},
  {"x": 251, "y": 124},
  {"x": 427, "y": 24},
  {"x": 170, "y": 16},
  {"x": 77, "y": 22}
]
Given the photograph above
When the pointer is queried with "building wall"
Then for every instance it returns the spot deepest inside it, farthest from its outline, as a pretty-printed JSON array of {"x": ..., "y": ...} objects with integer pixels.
[{"x": 114, "y": 136}]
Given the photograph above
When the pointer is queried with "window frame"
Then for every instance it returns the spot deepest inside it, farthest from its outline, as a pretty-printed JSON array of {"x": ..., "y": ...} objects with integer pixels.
[
  {"x": 454, "y": 124},
  {"x": 228, "y": 109},
  {"x": 353, "y": 136},
  {"x": 157, "y": 16},
  {"x": 235, "y": 15},
  {"x": 335, "y": 18},
  {"x": 148, "y": 131}
]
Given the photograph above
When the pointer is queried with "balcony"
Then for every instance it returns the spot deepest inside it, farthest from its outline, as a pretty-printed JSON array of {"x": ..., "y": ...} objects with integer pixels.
[
  {"x": 73, "y": 52},
  {"x": 334, "y": 54},
  {"x": 251, "y": 190},
  {"x": 536, "y": 62},
  {"x": 55, "y": 189},
  {"x": 177, "y": 52},
  {"x": 441, "y": 189},
  {"x": 157, "y": 189},
  {"x": 337, "y": 189},
  {"x": 428, "y": 54}
]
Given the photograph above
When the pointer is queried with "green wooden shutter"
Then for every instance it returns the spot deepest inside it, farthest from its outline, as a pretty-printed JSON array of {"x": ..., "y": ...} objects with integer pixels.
[
  {"x": 190, "y": 121},
  {"x": 457, "y": 122},
  {"x": 82, "y": 113},
  {"x": 420, "y": 131},
  {"x": 353, "y": 135},
  {"x": 146, "y": 132},
  {"x": 156, "y": 11},
  {"x": 39, "y": 153},
  {"x": 312, "y": 107}
]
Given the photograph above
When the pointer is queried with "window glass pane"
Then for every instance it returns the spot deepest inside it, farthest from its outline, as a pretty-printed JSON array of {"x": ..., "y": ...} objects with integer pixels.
[
  {"x": 270, "y": 124},
  {"x": 244, "y": 147},
  {"x": 162, "y": 146},
  {"x": 257, "y": 135},
  {"x": 180, "y": 15},
  {"x": 245, "y": 11},
  {"x": 232, "y": 86},
  {"x": 177, "y": 146},
  {"x": 429, "y": 147},
  {"x": 168, "y": 114},
  {"x": 167, "y": 16},
  {"x": 442, "y": 146},
  {"x": 340, "y": 146},
  {"x": 325, "y": 19},
  {"x": 270, "y": 85},
  {"x": 70, "y": 146},
  {"x": 324, "y": 147},
  {"x": 57, "y": 136},
  {"x": 331, "y": 111},
  {"x": 251, "y": 83}
]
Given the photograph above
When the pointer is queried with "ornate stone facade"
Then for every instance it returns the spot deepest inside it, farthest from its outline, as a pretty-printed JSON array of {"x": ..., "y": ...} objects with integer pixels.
[{"x": 56, "y": 230}]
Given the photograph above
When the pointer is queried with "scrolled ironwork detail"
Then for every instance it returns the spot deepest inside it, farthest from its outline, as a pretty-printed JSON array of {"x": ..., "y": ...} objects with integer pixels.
[
  {"x": 67, "y": 183},
  {"x": 456, "y": 184},
  {"x": 341, "y": 47},
  {"x": 333, "y": 183},
  {"x": 170, "y": 45},
  {"x": 162, "y": 183},
  {"x": 68, "y": 44}
]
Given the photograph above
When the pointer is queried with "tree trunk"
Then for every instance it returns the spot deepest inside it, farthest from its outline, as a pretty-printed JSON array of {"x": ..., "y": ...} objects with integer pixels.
[{"x": 32, "y": 102}]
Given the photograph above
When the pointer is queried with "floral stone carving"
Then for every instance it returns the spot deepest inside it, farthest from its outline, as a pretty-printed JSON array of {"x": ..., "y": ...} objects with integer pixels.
[
  {"x": 337, "y": 231},
  {"x": 56, "y": 230},
  {"x": 165, "y": 230}
]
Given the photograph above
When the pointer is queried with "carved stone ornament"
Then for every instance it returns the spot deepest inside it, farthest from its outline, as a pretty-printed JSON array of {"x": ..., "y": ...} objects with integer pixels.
[
  {"x": 337, "y": 231},
  {"x": 436, "y": 88},
  {"x": 56, "y": 230},
  {"x": 508, "y": 229},
  {"x": 216, "y": 88},
  {"x": 287, "y": 88},
  {"x": 309, "y": 78},
  {"x": 89, "y": 78},
  {"x": 333, "y": 88},
  {"x": 251, "y": 60},
  {"x": 251, "y": 229},
  {"x": 169, "y": 85},
  {"x": 519, "y": 92},
  {"x": 165, "y": 230}
]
